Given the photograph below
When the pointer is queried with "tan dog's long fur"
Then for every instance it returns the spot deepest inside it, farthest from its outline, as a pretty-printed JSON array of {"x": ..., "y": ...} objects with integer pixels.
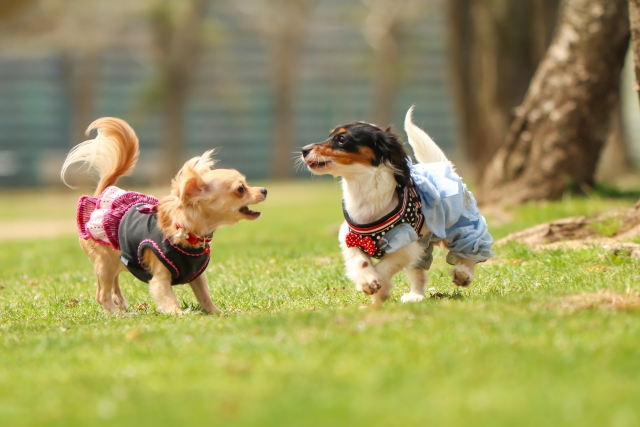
[{"x": 202, "y": 199}]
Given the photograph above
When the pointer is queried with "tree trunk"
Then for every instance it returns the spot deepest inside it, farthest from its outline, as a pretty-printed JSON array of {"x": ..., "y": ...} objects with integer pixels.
[
  {"x": 178, "y": 46},
  {"x": 282, "y": 24},
  {"x": 634, "y": 18},
  {"x": 82, "y": 76},
  {"x": 285, "y": 64},
  {"x": 385, "y": 79},
  {"x": 382, "y": 30},
  {"x": 558, "y": 133},
  {"x": 615, "y": 159},
  {"x": 495, "y": 47},
  {"x": 286, "y": 29},
  {"x": 10, "y": 7},
  {"x": 173, "y": 139}
]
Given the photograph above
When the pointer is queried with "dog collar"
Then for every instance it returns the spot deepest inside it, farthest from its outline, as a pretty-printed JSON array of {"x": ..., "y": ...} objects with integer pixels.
[
  {"x": 367, "y": 236},
  {"x": 192, "y": 238}
]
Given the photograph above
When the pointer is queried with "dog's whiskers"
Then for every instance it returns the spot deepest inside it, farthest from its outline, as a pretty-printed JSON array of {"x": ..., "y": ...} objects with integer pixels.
[{"x": 299, "y": 163}]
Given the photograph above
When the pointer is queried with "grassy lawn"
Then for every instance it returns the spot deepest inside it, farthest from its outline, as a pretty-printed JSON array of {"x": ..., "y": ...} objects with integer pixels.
[{"x": 297, "y": 346}]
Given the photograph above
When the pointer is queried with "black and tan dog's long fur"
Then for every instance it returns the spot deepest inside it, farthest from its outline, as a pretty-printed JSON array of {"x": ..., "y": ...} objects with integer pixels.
[{"x": 372, "y": 162}]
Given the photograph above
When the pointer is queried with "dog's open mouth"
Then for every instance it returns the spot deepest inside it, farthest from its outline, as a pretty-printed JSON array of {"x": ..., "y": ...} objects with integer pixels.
[
  {"x": 249, "y": 213},
  {"x": 317, "y": 164}
]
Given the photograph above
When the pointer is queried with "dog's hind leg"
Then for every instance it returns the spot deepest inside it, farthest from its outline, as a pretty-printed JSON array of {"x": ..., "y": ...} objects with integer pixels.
[
  {"x": 462, "y": 273},
  {"x": 107, "y": 274},
  {"x": 391, "y": 264},
  {"x": 417, "y": 272},
  {"x": 106, "y": 266},
  {"x": 417, "y": 280},
  {"x": 201, "y": 290},
  {"x": 118, "y": 298}
]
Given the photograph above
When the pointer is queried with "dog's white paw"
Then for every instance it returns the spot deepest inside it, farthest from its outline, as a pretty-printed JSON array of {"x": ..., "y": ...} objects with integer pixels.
[
  {"x": 461, "y": 275},
  {"x": 411, "y": 297},
  {"x": 368, "y": 282}
]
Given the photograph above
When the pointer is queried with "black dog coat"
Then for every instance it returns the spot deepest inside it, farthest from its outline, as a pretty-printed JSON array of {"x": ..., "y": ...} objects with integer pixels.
[{"x": 139, "y": 230}]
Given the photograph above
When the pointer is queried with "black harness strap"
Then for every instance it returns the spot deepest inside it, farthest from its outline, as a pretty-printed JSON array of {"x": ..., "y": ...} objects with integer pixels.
[{"x": 367, "y": 236}]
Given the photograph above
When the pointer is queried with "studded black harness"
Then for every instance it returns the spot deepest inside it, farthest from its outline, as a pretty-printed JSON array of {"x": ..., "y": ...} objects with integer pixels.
[{"x": 367, "y": 236}]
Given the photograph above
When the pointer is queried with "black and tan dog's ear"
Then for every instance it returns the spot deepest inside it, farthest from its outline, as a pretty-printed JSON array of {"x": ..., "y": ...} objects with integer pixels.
[{"x": 395, "y": 154}]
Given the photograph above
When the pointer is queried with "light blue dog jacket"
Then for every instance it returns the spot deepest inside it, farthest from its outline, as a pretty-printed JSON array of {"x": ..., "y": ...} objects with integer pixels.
[{"x": 450, "y": 213}]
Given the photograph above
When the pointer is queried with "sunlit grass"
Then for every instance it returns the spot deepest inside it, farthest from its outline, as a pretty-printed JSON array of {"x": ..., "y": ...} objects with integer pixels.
[{"x": 296, "y": 348}]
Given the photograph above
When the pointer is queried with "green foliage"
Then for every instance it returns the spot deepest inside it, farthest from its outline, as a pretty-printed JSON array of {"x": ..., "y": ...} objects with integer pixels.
[
  {"x": 607, "y": 227},
  {"x": 297, "y": 346}
]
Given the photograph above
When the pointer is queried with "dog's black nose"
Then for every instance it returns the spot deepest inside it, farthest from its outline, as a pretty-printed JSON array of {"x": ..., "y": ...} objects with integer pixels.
[
  {"x": 263, "y": 191},
  {"x": 306, "y": 150}
]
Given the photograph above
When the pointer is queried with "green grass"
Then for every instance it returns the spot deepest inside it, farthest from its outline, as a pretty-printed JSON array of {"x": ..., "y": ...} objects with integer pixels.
[{"x": 297, "y": 346}]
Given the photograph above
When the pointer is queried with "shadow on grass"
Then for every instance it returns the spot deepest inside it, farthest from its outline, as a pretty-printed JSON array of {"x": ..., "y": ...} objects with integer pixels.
[{"x": 453, "y": 295}]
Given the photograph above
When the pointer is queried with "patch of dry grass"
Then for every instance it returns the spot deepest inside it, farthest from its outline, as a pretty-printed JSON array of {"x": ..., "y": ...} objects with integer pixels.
[{"x": 603, "y": 299}]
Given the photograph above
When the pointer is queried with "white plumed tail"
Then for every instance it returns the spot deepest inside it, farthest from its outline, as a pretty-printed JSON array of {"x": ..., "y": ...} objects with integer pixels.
[
  {"x": 113, "y": 153},
  {"x": 425, "y": 149}
]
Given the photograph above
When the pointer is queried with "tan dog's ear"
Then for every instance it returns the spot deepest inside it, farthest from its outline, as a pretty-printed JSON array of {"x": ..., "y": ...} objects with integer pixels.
[
  {"x": 204, "y": 163},
  {"x": 191, "y": 185}
]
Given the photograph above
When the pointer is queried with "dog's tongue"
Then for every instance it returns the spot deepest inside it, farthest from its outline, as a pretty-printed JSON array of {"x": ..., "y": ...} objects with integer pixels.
[{"x": 245, "y": 210}]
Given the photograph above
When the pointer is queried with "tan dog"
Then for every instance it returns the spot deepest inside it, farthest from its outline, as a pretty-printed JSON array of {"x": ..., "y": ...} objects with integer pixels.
[{"x": 202, "y": 199}]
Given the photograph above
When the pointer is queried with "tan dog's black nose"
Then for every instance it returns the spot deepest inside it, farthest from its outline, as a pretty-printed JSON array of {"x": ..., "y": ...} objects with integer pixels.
[{"x": 264, "y": 192}]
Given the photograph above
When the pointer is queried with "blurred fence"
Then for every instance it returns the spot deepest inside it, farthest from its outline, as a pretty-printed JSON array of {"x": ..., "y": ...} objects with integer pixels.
[{"x": 230, "y": 106}]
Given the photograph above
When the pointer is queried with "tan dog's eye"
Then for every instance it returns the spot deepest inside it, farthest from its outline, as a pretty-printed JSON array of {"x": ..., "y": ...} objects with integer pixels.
[
  {"x": 241, "y": 189},
  {"x": 341, "y": 139}
]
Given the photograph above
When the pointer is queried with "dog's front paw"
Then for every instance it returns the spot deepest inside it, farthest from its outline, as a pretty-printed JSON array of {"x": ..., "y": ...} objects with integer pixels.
[
  {"x": 171, "y": 310},
  {"x": 120, "y": 302},
  {"x": 462, "y": 275},
  {"x": 371, "y": 287},
  {"x": 368, "y": 282},
  {"x": 211, "y": 309},
  {"x": 411, "y": 297}
]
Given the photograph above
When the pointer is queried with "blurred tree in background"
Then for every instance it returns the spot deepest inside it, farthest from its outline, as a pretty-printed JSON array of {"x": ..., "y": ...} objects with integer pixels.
[
  {"x": 634, "y": 19},
  {"x": 282, "y": 24},
  {"x": 260, "y": 78},
  {"x": 384, "y": 30},
  {"x": 176, "y": 31},
  {"x": 557, "y": 136},
  {"x": 495, "y": 47},
  {"x": 9, "y": 7},
  {"x": 81, "y": 32},
  {"x": 256, "y": 79}
]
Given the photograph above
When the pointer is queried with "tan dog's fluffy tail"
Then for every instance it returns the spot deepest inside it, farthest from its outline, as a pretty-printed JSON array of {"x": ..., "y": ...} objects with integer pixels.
[
  {"x": 113, "y": 153},
  {"x": 425, "y": 149}
]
